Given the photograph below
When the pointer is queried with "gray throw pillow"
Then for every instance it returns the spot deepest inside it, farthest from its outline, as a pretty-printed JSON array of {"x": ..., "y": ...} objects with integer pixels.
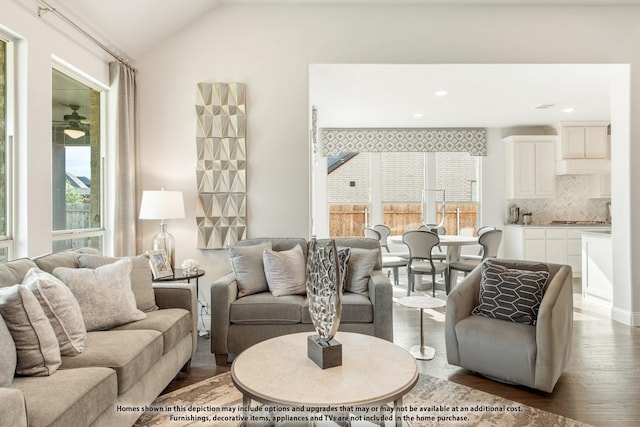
[
  {"x": 285, "y": 271},
  {"x": 104, "y": 294},
  {"x": 37, "y": 350},
  {"x": 248, "y": 268},
  {"x": 510, "y": 294},
  {"x": 61, "y": 308},
  {"x": 141, "y": 277},
  {"x": 361, "y": 264},
  {"x": 8, "y": 358}
]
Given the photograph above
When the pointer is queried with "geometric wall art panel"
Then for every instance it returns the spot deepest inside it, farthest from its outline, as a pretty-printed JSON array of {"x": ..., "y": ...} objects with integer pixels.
[{"x": 221, "y": 168}]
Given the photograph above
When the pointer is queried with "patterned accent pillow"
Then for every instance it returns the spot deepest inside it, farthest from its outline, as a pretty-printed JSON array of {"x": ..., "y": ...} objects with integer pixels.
[
  {"x": 510, "y": 294},
  {"x": 344, "y": 253}
]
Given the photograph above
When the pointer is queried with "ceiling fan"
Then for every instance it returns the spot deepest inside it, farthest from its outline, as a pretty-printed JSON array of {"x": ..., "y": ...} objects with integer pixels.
[{"x": 75, "y": 123}]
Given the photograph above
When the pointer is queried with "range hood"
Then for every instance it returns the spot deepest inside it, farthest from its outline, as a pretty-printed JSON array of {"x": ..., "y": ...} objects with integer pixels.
[{"x": 583, "y": 167}]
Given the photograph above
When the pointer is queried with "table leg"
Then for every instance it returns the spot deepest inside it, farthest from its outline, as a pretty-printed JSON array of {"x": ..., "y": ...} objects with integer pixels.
[
  {"x": 422, "y": 352},
  {"x": 397, "y": 404},
  {"x": 246, "y": 402}
]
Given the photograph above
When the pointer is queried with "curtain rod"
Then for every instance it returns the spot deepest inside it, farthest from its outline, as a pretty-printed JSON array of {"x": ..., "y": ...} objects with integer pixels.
[{"x": 46, "y": 7}]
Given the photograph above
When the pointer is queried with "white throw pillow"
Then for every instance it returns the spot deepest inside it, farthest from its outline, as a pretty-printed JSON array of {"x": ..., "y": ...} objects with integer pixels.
[
  {"x": 104, "y": 294},
  {"x": 61, "y": 308},
  {"x": 285, "y": 271}
]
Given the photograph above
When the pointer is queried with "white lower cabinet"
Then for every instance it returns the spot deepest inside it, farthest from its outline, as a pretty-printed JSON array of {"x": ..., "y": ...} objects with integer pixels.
[{"x": 558, "y": 245}]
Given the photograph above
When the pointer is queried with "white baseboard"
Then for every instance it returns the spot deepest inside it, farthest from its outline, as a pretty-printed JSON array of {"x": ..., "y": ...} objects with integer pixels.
[{"x": 625, "y": 316}]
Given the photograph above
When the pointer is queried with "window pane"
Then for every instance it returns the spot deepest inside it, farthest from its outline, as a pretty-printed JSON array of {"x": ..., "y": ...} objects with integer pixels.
[
  {"x": 402, "y": 181},
  {"x": 3, "y": 142},
  {"x": 85, "y": 242},
  {"x": 76, "y": 155},
  {"x": 457, "y": 174},
  {"x": 349, "y": 195}
]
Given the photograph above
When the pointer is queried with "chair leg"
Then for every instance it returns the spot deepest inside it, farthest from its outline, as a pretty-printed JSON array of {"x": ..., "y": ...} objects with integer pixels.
[
  {"x": 395, "y": 276},
  {"x": 433, "y": 283},
  {"x": 447, "y": 280}
]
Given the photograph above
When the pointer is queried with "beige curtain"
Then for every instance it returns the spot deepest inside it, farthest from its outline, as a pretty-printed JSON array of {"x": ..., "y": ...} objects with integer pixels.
[{"x": 123, "y": 84}]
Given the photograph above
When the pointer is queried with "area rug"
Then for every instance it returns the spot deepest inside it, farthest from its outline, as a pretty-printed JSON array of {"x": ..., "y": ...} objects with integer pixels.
[{"x": 432, "y": 402}]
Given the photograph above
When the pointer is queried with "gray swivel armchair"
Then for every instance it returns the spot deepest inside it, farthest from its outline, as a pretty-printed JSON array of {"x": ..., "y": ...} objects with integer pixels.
[{"x": 515, "y": 353}]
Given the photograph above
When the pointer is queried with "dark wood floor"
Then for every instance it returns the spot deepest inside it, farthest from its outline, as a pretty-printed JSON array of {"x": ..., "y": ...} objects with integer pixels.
[{"x": 601, "y": 385}]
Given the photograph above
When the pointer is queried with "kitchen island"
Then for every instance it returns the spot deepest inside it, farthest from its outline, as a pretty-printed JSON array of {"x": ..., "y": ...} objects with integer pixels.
[{"x": 597, "y": 267}]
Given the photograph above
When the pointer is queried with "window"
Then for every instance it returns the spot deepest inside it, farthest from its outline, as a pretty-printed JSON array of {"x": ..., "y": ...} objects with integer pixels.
[
  {"x": 401, "y": 190},
  {"x": 77, "y": 168},
  {"x": 6, "y": 243}
]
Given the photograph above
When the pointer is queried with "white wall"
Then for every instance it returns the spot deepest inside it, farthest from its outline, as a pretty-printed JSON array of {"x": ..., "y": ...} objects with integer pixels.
[
  {"x": 37, "y": 44},
  {"x": 269, "y": 48}
]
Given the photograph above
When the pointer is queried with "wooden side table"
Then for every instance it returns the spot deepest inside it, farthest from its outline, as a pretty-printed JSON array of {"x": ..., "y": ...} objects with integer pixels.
[{"x": 180, "y": 276}]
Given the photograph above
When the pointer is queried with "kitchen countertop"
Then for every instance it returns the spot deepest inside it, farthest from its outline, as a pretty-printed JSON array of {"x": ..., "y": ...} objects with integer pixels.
[{"x": 563, "y": 225}]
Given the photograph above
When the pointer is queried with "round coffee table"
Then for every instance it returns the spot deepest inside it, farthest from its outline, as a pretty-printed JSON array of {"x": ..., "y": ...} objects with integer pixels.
[
  {"x": 277, "y": 371},
  {"x": 421, "y": 351}
]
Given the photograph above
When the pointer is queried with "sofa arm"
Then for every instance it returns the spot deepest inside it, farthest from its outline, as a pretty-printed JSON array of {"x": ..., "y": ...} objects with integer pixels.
[
  {"x": 381, "y": 296},
  {"x": 554, "y": 330},
  {"x": 224, "y": 291},
  {"x": 13, "y": 408},
  {"x": 179, "y": 295},
  {"x": 460, "y": 303}
]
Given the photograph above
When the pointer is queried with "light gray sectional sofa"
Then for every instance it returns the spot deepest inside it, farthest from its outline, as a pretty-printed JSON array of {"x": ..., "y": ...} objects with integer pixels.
[
  {"x": 119, "y": 370},
  {"x": 240, "y": 322}
]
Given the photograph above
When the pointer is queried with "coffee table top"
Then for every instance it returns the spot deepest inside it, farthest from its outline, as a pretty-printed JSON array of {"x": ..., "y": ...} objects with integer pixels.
[
  {"x": 278, "y": 371},
  {"x": 425, "y": 302}
]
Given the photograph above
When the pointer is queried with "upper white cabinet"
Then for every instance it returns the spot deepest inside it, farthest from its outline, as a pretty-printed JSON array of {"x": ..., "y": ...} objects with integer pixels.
[
  {"x": 583, "y": 148},
  {"x": 530, "y": 166}
]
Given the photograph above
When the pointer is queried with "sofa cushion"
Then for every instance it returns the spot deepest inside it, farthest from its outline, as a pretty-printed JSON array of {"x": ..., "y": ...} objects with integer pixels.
[
  {"x": 248, "y": 268},
  {"x": 130, "y": 353},
  {"x": 104, "y": 294},
  {"x": 356, "y": 308},
  {"x": 72, "y": 397},
  {"x": 61, "y": 308},
  {"x": 510, "y": 294},
  {"x": 264, "y": 308},
  {"x": 361, "y": 264},
  {"x": 67, "y": 259},
  {"x": 141, "y": 277},
  {"x": 37, "y": 348},
  {"x": 12, "y": 272},
  {"x": 285, "y": 271},
  {"x": 8, "y": 358},
  {"x": 173, "y": 323},
  {"x": 494, "y": 347}
]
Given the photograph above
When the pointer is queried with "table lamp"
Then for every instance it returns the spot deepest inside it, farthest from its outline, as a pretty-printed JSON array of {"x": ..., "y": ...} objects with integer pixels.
[{"x": 163, "y": 205}]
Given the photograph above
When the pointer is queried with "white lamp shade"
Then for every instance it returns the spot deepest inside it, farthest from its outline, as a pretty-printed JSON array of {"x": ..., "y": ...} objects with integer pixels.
[{"x": 162, "y": 205}]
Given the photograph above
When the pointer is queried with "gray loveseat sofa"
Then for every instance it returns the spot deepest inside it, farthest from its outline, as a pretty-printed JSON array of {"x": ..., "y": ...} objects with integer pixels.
[
  {"x": 119, "y": 371},
  {"x": 238, "y": 323}
]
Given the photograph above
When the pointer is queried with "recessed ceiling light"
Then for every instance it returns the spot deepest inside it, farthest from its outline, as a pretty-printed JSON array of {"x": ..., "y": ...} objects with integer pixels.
[
  {"x": 417, "y": 115},
  {"x": 441, "y": 93},
  {"x": 568, "y": 110}
]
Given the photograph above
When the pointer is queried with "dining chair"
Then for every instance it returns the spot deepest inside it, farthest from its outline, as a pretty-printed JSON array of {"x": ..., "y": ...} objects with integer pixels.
[
  {"x": 479, "y": 233},
  {"x": 389, "y": 261},
  {"x": 384, "y": 235},
  {"x": 490, "y": 241},
  {"x": 439, "y": 255},
  {"x": 421, "y": 244}
]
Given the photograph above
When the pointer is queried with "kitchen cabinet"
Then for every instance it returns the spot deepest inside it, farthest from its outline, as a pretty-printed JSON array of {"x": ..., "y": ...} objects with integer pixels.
[
  {"x": 597, "y": 264},
  {"x": 583, "y": 140},
  {"x": 600, "y": 186},
  {"x": 554, "y": 244},
  {"x": 530, "y": 166}
]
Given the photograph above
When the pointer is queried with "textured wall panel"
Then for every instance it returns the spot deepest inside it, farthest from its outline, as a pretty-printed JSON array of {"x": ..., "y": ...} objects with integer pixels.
[{"x": 221, "y": 169}]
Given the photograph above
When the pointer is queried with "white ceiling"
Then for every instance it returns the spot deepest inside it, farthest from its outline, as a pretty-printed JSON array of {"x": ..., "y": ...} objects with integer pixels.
[
  {"x": 382, "y": 95},
  {"x": 348, "y": 95}
]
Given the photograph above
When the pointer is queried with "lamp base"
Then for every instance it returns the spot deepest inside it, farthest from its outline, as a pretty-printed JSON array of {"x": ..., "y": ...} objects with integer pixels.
[{"x": 165, "y": 241}]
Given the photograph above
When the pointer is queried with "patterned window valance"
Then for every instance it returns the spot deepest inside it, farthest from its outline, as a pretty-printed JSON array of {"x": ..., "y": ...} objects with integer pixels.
[{"x": 471, "y": 140}]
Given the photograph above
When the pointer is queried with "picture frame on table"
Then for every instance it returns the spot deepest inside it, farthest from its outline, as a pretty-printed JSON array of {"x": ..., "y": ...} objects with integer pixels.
[{"x": 159, "y": 263}]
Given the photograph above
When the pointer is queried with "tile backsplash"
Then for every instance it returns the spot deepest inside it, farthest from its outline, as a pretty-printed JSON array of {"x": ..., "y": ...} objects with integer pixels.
[{"x": 571, "y": 203}]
